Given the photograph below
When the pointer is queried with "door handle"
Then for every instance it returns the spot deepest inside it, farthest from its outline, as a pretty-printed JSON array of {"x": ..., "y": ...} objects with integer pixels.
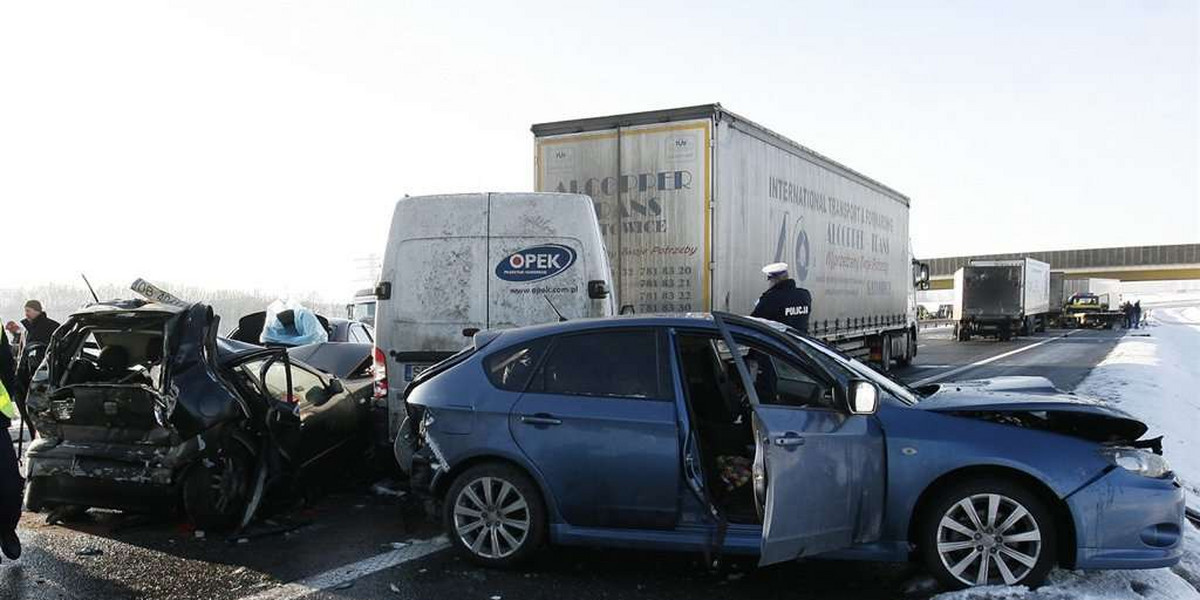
[
  {"x": 540, "y": 419},
  {"x": 789, "y": 440}
]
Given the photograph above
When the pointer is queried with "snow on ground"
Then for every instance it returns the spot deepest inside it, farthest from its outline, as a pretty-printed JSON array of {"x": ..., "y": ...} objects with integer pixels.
[{"x": 1153, "y": 373}]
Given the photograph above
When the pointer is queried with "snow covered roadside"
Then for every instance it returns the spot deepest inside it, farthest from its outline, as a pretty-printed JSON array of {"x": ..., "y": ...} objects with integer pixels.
[{"x": 1153, "y": 373}]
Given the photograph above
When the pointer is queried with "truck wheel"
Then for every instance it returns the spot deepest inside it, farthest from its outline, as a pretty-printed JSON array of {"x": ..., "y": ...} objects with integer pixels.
[
  {"x": 910, "y": 350},
  {"x": 885, "y": 353},
  {"x": 495, "y": 515},
  {"x": 987, "y": 531}
]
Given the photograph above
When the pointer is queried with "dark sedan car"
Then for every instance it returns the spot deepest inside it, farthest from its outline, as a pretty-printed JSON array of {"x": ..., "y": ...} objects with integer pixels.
[
  {"x": 141, "y": 406},
  {"x": 730, "y": 434}
]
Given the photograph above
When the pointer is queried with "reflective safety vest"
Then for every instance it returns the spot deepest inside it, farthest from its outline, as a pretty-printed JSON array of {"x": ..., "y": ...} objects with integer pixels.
[{"x": 7, "y": 410}]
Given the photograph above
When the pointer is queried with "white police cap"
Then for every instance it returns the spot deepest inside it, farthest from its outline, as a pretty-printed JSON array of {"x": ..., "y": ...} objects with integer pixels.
[{"x": 774, "y": 269}]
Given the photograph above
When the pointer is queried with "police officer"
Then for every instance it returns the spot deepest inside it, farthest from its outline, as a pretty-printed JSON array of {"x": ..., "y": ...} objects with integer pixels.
[
  {"x": 783, "y": 301},
  {"x": 10, "y": 481}
]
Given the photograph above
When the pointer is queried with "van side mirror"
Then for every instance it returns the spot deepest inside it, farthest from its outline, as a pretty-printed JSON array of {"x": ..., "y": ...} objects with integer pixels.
[
  {"x": 597, "y": 289},
  {"x": 383, "y": 290},
  {"x": 862, "y": 397},
  {"x": 922, "y": 276},
  {"x": 627, "y": 309}
]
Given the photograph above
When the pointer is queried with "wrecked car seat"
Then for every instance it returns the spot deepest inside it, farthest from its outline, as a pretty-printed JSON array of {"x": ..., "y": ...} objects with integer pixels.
[{"x": 113, "y": 363}]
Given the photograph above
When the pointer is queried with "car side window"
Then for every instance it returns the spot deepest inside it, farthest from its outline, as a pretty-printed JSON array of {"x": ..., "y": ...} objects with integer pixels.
[
  {"x": 511, "y": 368},
  {"x": 307, "y": 387},
  {"x": 783, "y": 381},
  {"x": 621, "y": 364},
  {"x": 356, "y": 334}
]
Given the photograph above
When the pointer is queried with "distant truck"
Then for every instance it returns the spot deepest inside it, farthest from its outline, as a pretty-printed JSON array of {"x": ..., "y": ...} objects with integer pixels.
[
  {"x": 694, "y": 201},
  {"x": 1001, "y": 298},
  {"x": 1092, "y": 302},
  {"x": 362, "y": 307}
]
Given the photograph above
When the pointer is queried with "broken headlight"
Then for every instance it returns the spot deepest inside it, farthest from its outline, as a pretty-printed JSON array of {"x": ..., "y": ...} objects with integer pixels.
[{"x": 1141, "y": 462}]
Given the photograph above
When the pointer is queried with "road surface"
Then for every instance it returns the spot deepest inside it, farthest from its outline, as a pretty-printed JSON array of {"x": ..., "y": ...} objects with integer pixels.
[{"x": 355, "y": 544}]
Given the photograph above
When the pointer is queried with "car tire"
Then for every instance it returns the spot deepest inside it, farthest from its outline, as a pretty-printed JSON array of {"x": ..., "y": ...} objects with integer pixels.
[
  {"x": 494, "y": 514},
  {"x": 1015, "y": 528},
  {"x": 216, "y": 489}
]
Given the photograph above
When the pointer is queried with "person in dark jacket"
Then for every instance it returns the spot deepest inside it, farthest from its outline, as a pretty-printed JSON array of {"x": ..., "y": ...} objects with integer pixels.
[
  {"x": 38, "y": 329},
  {"x": 783, "y": 301}
]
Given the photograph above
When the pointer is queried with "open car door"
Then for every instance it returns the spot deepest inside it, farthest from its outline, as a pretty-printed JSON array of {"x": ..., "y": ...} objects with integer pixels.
[{"x": 818, "y": 473}]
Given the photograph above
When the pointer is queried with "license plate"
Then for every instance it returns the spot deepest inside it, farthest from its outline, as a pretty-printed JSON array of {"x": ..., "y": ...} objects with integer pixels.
[{"x": 411, "y": 371}]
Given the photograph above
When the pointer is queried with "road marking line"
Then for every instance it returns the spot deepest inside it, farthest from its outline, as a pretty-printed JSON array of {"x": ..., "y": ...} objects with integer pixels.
[
  {"x": 353, "y": 571},
  {"x": 980, "y": 363}
]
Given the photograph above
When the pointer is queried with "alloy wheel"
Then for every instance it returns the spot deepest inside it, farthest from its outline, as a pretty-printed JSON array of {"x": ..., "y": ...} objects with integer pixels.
[
  {"x": 988, "y": 539},
  {"x": 491, "y": 517}
]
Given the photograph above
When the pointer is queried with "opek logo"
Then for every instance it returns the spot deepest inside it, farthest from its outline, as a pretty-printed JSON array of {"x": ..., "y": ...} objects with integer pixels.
[{"x": 535, "y": 263}]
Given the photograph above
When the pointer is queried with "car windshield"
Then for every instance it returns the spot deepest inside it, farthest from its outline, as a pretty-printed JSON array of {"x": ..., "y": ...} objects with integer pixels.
[{"x": 902, "y": 392}]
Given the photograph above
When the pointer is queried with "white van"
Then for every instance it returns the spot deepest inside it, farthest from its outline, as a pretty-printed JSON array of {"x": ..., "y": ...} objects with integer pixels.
[{"x": 461, "y": 263}]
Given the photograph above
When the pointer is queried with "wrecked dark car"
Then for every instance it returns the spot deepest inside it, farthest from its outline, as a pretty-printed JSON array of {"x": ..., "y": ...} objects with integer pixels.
[{"x": 143, "y": 408}]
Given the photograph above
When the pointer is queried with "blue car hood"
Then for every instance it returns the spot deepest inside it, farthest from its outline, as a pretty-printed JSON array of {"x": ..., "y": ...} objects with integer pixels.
[{"x": 1034, "y": 402}]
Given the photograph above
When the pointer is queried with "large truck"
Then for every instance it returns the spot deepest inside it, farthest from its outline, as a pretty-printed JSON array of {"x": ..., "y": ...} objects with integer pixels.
[
  {"x": 1092, "y": 302},
  {"x": 694, "y": 201},
  {"x": 1001, "y": 298}
]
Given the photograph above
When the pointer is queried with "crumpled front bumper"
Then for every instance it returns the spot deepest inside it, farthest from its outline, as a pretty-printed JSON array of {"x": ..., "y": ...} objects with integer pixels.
[{"x": 1126, "y": 521}]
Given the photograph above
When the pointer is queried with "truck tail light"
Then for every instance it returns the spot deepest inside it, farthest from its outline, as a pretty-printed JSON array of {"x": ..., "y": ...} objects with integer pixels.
[{"x": 379, "y": 374}]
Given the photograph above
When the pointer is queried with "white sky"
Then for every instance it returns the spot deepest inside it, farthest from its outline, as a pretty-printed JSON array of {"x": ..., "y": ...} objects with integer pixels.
[{"x": 262, "y": 144}]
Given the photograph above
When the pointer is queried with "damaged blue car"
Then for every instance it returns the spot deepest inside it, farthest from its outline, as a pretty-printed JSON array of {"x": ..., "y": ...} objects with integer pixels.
[{"x": 721, "y": 433}]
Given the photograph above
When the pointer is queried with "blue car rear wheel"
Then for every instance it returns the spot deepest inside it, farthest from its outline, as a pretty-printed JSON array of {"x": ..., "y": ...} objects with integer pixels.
[{"x": 494, "y": 513}]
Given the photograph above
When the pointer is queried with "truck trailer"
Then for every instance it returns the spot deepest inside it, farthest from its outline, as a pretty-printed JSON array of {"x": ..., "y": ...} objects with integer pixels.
[
  {"x": 1001, "y": 298},
  {"x": 693, "y": 202}
]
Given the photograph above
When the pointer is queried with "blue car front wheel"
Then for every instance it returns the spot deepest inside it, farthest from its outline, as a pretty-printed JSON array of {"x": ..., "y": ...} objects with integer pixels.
[{"x": 987, "y": 531}]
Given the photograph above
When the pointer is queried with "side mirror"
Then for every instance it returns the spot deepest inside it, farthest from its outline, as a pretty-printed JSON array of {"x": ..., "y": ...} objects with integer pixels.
[
  {"x": 383, "y": 290},
  {"x": 335, "y": 387},
  {"x": 862, "y": 397},
  {"x": 627, "y": 309},
  {"x": 320, "y": 397},
  {"x": 597, "y": 289}
]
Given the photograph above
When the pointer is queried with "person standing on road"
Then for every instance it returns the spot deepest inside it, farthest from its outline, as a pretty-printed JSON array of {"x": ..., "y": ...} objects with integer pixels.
[
  {"x": 1137, "y": 314},
  {"x": 38, "y": 329},
  {"x": 783, "y": 301},
  {"x": 10, "y": 481}
]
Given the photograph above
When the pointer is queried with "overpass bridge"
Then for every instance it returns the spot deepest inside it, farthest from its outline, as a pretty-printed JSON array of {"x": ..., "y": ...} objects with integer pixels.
[{"x": 1129, "y": 263}]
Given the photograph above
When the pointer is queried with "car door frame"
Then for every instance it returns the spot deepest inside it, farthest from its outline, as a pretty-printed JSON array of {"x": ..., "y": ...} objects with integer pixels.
[
  {"x": 786, "y": 535},
  {"x": 522, "y": 418}
]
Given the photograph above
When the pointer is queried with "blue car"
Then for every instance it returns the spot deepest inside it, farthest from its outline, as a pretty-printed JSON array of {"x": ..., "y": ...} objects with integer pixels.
[{"x": 726, "y": 434}]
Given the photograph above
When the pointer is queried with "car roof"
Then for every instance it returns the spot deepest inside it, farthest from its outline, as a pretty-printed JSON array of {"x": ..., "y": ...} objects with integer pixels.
[
  {"x": 702, "y": 320},
  {"x": 136, "y": 306}
]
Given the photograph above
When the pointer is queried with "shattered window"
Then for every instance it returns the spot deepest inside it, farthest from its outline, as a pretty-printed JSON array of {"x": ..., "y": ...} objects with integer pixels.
[{"x": 117, "y": 356}]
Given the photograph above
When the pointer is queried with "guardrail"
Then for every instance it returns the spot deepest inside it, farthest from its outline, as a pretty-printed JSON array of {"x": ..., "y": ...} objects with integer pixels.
[{"x": 932, "y": 323}]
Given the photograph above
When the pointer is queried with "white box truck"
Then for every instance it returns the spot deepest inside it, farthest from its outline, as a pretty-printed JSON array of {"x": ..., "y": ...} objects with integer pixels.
[
  {"x": 1002, "y": 298},
  {"x": 461, "y": 263},
  {"x": 693, "y": 202}
]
